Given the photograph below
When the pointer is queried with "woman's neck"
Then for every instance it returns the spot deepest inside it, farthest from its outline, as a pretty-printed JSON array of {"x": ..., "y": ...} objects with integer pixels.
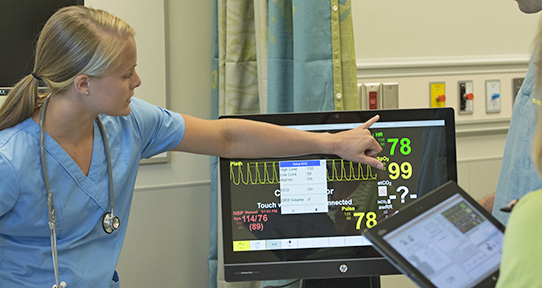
[
  {"x": 67, "y": 119},
  {"x": 71, "y": 126}
]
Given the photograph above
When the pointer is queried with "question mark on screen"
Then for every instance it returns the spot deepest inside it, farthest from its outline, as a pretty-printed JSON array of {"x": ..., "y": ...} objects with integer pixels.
[{"x": 405, "y": 189}]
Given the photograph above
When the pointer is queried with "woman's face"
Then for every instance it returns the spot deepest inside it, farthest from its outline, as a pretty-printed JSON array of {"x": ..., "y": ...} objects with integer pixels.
[{"x": 111, "y": 95}]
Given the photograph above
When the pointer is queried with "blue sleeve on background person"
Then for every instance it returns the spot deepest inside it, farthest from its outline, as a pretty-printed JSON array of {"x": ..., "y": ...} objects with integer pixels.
[{"x": 519, "y": 175}]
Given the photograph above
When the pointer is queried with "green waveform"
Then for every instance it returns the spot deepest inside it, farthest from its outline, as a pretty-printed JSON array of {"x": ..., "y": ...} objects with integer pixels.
[
  {"x": 351, "y": 175},
  {"x": 258, "y": 173}
]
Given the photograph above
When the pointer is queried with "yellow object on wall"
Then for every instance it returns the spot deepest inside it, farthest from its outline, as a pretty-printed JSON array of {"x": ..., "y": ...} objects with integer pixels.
[{"x": 437, "y": 94}]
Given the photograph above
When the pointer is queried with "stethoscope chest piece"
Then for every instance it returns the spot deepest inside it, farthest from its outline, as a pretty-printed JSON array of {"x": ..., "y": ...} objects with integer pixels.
[
  {"x": 62, "y": 285},
  {"x": 110, "y": 223}
]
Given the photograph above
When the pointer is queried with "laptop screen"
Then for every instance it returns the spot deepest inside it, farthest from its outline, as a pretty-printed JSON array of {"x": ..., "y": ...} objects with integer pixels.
[{"x": 452, "y": 244}]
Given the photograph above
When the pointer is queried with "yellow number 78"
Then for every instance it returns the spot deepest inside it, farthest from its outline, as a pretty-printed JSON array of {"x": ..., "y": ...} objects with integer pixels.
[{"x": 371, "y": 219}]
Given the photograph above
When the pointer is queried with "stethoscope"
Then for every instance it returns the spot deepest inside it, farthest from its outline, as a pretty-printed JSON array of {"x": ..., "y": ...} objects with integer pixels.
[{"x": 110, "y": 222}]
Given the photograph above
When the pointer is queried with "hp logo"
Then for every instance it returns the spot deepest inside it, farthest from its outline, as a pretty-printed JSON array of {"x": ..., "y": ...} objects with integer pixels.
[{"x": 343, "y": 268}]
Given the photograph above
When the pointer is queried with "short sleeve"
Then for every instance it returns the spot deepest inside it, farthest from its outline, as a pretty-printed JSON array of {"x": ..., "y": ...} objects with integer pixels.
[
  {"x": 160, "y": 129},
  {"x": 9, "y": 186}
]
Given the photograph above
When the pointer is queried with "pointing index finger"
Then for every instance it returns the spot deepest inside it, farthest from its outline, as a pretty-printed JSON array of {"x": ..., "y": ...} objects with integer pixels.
[{"x": 370, "y": 122}]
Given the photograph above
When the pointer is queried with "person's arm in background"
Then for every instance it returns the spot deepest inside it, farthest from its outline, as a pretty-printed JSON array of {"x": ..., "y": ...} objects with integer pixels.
[{"x": 487, "y": 202}]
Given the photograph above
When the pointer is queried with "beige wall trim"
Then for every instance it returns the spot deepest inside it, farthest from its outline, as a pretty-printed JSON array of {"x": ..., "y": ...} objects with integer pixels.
[
  {"x": 480, "y": 127},
  {"x": 171, "y": 186},
  {"x": 478, "y": 159},
  {"x": 430, "y": 66}
]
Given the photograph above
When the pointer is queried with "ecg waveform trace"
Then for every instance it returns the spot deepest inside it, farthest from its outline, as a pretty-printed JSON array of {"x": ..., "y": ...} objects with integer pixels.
[{"x": 258, "y": 173}]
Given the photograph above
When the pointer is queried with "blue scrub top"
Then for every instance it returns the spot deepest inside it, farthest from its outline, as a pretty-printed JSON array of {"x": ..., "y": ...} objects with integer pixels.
[
  {"x": 87, "y": 256},
  {"x": 519, "y": 175}
]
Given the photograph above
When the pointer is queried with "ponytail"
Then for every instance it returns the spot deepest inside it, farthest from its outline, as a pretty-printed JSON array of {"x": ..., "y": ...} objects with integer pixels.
[{"x": 22, "y": 101}]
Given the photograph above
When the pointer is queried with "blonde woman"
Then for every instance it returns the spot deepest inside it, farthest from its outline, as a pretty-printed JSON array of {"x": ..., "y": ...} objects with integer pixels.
[{"x": 69, "y": 157}]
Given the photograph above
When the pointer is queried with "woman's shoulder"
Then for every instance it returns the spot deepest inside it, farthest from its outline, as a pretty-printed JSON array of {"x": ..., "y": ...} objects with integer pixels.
[
  {"x": 145, "y": 115},
  {"x": 17, "y": 153},
  {"x": 140, "y": 110},
  {"x": 143, "y": 109},
  {"x": 24, "y": 132}
]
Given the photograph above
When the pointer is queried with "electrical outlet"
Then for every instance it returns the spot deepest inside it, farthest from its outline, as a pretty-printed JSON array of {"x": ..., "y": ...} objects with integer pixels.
[
  {"x": 493, "y": 96},
  {"x": 373, "y": 97},
  {"x": 390, "y": 95},
  {"x": 466, "y": 97},
  {"x": 437, "y": 94}
]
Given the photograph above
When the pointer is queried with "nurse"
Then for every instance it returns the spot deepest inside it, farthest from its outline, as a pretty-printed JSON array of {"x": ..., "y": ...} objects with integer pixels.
[{"x": 65, "y": 198}]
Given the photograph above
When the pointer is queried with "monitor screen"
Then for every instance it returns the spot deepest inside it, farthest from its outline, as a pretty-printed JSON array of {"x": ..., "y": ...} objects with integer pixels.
[
  {"x": 302, "y": 217},
  {"x": 20, "y": 23}
]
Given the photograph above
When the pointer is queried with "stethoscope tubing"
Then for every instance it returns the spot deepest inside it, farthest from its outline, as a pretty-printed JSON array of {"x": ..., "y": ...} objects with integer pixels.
[
  {"x": 50, "y": 202},
  {"x": 110, "y": 168}
]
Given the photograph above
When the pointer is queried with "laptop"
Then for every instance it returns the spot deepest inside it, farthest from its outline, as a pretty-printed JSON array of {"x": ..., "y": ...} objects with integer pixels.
[{"x": 444, "y": 239}]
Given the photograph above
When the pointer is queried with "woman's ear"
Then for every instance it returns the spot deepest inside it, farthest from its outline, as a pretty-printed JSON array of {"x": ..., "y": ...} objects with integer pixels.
[{"x": 82, "y": 84}]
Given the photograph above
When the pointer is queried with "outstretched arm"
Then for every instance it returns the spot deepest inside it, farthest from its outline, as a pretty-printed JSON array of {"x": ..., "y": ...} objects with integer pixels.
[{"x": 236, "y": 138}]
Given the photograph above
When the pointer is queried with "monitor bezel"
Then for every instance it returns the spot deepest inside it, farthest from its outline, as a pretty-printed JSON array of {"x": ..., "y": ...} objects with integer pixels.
[{"x": 372, "y": 263}]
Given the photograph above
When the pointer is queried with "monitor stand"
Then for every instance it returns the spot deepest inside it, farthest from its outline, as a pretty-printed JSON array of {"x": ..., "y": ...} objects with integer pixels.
[{"x": 360, "y": 282}]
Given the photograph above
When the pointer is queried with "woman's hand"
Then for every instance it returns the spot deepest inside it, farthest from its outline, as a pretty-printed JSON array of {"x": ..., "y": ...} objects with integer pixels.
[{"x": 358, "y": 145}]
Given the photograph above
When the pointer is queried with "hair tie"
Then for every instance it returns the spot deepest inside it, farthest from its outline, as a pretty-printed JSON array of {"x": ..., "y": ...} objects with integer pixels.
[{"x": 35, "y": 76}]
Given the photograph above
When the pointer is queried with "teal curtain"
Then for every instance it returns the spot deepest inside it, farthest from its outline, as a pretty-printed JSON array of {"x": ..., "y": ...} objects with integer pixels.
[
  {"x": 276, "y": 56},
  {"x": 300, "y": 71},
  {"x": 212, "y": 258}
]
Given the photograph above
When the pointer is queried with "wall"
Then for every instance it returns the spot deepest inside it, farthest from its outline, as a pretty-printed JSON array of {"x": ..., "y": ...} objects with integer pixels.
[
  {"x": 427, "y": 28},
  {"x": 168, "y": 236}
]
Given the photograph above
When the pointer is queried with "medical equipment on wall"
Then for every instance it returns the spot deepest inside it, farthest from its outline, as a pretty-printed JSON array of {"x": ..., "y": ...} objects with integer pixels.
[{"x": 110, "y": 222}]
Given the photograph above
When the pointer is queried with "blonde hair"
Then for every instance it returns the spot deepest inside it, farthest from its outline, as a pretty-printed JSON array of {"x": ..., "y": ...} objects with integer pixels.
[{"x": 75, "y": 40}]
